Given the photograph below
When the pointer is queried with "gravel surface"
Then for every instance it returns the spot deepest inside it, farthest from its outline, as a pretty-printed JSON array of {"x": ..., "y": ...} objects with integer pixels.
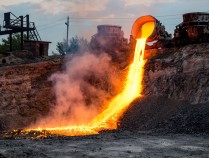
[
  {"x": 109, "y": 144},
  {"x": 162, "y": 115}
]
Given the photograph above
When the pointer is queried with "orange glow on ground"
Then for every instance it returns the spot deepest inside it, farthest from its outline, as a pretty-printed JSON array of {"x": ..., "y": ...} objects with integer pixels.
[{"x": 107, "y": 120}]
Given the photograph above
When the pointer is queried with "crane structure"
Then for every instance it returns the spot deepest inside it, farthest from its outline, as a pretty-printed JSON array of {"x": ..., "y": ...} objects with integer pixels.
[{"x": 13, "y": 24}]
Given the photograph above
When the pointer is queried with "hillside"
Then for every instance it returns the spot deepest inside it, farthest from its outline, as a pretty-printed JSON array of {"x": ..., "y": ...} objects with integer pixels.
[
  {"x": 176, "y": 92},
  {"x": 176, "y": 88}
]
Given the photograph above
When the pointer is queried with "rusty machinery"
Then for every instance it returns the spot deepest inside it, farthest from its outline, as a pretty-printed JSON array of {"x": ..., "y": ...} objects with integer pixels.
[
  {"x": 193, "y": 29},
  {"x": 159, "y": 37},
  {"x": 13, "y": 24}
]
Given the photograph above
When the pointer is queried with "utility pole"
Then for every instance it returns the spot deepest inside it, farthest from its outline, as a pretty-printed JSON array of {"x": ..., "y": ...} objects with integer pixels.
[{"x": 67, "y": 23}]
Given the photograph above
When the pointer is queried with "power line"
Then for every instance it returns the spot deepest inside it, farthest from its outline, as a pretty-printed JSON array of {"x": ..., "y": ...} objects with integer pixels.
[
  {"x": 168, "y": 15},
  {"x": 52, "y": 22},
  {"x": 98, "y": 18},
  {"x": 119, "y": 18},
  {"x": 171, "y": 15},
  {"x": 75, "y": 20},
  {"x": 50, "y": 26}
]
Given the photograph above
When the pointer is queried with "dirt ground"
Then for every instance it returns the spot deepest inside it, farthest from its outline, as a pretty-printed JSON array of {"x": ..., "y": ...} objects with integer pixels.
[
  {"x": 167, "y": 129},
  {"x": 109, "y": 144},
  {"x": 162, "y": 115}
]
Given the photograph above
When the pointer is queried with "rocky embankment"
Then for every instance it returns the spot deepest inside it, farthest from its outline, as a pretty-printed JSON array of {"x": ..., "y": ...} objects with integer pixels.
[
  {"x": 176, "y": 92},
  {"x": 176, "y": 88},
  {"x": 179, "y": 74},
  {"x": 25, "y": 92}
]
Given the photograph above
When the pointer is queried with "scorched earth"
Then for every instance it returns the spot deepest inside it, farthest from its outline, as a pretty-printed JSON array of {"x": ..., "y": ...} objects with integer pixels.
[{"x": 109, "y": 144}]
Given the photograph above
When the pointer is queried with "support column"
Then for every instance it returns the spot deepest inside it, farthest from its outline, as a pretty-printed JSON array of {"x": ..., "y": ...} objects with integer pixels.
[
  {"x": 10, "y": 41},
  {"x": 67, "y": 23},
  {"x": 28, "y": 26},
  {"x": 21, "y": 20}
]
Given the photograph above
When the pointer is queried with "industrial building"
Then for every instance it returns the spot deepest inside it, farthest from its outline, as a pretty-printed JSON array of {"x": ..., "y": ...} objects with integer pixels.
[{"x": 33, "y": 43}]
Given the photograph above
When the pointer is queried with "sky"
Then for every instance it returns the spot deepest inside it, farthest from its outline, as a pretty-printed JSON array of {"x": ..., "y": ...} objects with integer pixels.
[{"x": 50, "y": 15}]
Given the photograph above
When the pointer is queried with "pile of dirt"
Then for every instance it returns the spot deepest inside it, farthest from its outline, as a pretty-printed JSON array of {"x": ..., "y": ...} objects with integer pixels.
[{"x": 159, "y": 114}]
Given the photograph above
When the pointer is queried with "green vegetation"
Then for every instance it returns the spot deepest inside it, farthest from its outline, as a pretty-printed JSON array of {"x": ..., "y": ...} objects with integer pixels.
[
  {"x": 76, "y": 45},
  {"x": 16, "y": 43}
]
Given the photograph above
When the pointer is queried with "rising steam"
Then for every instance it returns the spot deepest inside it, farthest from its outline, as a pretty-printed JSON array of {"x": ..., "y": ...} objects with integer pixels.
[{"x": 81, "y": 90}]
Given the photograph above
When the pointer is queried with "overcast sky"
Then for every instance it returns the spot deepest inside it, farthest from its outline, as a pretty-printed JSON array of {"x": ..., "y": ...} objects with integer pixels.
[{"x": 50, "y": 15}]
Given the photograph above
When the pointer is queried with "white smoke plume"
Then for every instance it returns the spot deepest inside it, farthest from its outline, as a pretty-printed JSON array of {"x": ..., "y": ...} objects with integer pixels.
[{"x": 82, "y": 90}]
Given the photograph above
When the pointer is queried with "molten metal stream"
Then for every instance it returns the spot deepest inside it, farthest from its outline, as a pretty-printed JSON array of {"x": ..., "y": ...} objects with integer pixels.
[{"x": 107, "y": 120}]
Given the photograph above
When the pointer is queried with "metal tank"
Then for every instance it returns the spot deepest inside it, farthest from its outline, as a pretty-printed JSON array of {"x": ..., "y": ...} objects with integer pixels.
[
  {"x": 193, "y": 29},
  {"x": 197, "y": 25}
]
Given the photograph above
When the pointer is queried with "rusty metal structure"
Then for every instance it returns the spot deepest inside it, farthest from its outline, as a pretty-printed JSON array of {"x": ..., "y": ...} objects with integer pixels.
[
  {"x": 193, "y": 29},
  {"x": 160, "y": 37},
  {"x": 109, "y": 38},
  {"x": 13, "y": 24}
]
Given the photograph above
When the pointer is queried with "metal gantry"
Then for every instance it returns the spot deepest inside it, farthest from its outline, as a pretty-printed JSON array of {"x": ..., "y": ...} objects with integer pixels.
[{"x": 13, "y": 24}]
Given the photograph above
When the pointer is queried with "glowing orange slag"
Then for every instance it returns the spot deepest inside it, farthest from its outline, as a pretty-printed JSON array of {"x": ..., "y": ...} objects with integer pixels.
[{"x": 107, "y": 120}]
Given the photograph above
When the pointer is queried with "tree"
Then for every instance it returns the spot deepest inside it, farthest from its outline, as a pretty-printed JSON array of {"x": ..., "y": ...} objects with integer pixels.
[
  {"x": 16, "y": 43},
  {"x": 60, "y": 48},
  {"x": 76, "y": 45}
]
